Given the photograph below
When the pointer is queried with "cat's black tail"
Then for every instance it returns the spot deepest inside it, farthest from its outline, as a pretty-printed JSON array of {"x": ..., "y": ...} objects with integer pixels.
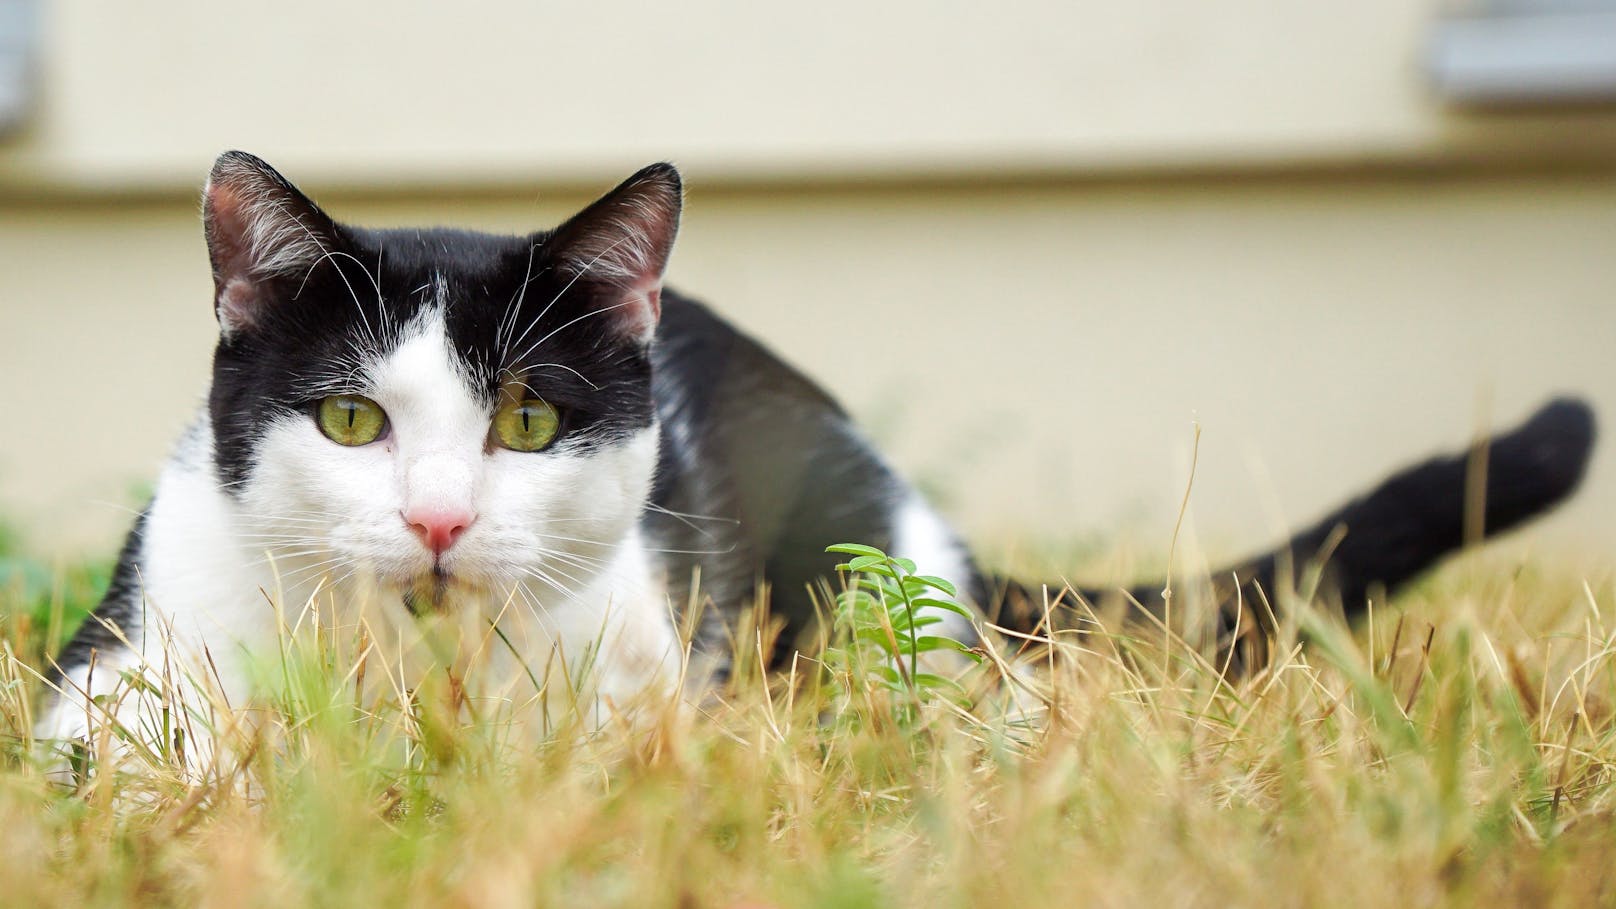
[{"x": 1403, "y": 526}]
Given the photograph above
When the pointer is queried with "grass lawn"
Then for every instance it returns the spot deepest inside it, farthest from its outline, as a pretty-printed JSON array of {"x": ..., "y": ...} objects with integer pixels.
[{"x": 1460, "y": 752}]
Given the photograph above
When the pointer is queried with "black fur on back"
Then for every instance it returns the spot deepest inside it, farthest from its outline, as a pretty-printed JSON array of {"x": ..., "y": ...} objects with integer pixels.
[{"x": 759, "y": 471}]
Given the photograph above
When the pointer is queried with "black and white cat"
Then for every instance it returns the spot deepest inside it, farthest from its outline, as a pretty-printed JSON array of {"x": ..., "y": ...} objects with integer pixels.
[{"x": 531, "y": 431}]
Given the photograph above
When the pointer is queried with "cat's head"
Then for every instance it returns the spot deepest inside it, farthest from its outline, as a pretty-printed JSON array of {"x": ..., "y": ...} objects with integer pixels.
[{"x": 435, "y": 407}]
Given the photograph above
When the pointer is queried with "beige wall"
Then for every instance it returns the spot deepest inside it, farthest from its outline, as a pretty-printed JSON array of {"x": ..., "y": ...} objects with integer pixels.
[
  {"x": 1059, "y": 338},
  {"x": 373, "y": 93}
]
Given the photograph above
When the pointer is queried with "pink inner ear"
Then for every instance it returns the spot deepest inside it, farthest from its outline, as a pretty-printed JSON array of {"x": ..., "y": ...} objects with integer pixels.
[
  {"x": 230, "y": 245},
  {"x": 257, "y": 226},
  {"x": 642, "y": 309},
  {"x": 238, "y": 301},
  {"x": 228, "y": 240}
]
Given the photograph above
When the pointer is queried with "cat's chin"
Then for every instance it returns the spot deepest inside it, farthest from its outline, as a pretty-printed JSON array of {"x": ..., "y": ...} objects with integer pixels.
[{"x": 436, "y": 593}]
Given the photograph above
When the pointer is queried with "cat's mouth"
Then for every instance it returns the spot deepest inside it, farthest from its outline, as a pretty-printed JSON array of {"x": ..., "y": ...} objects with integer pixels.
[{"x": 429, "y": 593}]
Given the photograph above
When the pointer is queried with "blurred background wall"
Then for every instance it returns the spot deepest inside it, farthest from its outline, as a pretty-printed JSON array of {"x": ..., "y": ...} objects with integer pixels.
[{"x": 1031, "y": 245}]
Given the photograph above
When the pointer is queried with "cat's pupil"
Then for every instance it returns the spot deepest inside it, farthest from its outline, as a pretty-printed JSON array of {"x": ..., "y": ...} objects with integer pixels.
[{"x": 525, "y": 426}]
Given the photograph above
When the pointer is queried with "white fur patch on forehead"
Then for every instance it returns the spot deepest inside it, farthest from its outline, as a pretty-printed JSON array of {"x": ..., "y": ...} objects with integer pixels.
[{"x": 426, "y": 389}]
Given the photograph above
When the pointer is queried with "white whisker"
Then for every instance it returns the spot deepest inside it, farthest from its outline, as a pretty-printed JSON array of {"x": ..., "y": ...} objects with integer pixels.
[
  {"x": 559, "y": 294},
  {"x": 554, "y": 331}
]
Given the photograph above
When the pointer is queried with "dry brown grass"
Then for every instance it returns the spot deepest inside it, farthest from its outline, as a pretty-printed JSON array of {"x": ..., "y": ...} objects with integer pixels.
[{"x": 1460, "y": 754}]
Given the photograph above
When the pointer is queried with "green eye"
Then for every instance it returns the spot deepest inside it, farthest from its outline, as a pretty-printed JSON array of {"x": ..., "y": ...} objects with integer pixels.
[
  {"x": 350, "y": 419},
  {"x": 526, "y": 425}
]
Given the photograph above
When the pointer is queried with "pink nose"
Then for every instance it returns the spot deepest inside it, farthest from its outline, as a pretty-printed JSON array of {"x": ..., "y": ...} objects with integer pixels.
[{"x": 438, "y": 528}]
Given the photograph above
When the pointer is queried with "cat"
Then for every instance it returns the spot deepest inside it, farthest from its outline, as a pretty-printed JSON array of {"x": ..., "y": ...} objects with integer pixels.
[{"x": 476, "y": 429}]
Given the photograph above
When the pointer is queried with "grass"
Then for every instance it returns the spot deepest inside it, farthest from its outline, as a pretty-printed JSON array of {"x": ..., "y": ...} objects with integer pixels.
[{"x": 1460, "y": 752}]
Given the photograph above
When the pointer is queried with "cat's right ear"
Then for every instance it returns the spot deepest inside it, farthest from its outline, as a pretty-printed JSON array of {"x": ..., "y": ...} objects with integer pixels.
[
  {"x": 622, "y": 242},
  {"x": 260, "y": 231}
]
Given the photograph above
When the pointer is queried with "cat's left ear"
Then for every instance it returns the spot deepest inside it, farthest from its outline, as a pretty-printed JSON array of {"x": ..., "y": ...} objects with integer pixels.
[
  {"x": 622, "y": 243},
  {"x": 263, "y": 235}
]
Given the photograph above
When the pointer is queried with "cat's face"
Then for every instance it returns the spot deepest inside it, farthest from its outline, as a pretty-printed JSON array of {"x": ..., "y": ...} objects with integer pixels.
[{"x": 437, "y": 409}]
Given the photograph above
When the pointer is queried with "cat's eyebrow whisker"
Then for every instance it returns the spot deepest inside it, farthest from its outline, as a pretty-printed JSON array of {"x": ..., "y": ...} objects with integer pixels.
[
  {"x": 575, "y": 372},
  {"x": 516, "y": 311},
  {"x": 561, "y": 293},
  {"x": 381, "y": 306},
  {"x": 513, "y": 307},
  {"x": 554, "y": 331},
  {"x": 329, "y": 254},
  {"x": 370, "y": 332}
]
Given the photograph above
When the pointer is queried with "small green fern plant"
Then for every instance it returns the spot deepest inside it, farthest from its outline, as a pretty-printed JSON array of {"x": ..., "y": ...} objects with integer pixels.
[{"x": 880, "y": 620}]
